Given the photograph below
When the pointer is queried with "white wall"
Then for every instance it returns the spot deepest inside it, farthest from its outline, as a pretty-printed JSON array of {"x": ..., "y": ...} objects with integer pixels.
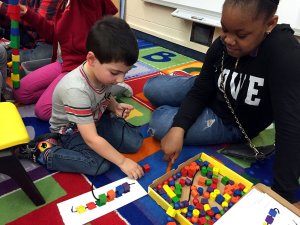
[
  {"x": 288, "y": 10},
  {"x": 157, "y": 20}
]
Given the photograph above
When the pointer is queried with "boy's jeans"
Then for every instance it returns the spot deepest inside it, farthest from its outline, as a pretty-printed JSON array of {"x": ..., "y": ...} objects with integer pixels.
[
  {"x": 167, "y": 92},
  {"x": 75, "y": 156}
]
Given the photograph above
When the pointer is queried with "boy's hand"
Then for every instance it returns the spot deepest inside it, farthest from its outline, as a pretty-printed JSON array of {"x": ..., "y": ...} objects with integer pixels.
[
  {"x": 131, "y": 169},
  {"x": 123, "y": 110}
]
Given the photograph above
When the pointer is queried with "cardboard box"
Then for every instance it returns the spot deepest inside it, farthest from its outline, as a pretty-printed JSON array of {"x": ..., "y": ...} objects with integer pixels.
[{"x": 224, "y": 171}]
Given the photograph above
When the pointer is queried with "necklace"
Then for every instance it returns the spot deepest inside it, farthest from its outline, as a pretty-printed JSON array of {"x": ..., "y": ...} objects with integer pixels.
[{"x": 258, "y": 154}]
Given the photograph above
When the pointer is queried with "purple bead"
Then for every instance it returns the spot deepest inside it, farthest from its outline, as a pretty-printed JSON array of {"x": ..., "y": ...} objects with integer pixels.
[
  {"x": 204, "y": 201},
  {"x": 161, "y": 191},
  {"x": 126, "y": 187},
  {"x": 202, "y": 212},
  {"x": 269, "y": 219},
  {"x": 210, "y": 189},
  {"x": 231, "y": 182},
  {"x": 181, "y": 205},
  {"x": 185, "y": 203},
  {"x": 188, "y": 181},
  {"x": 209, "y": 174},
  {"x": 198, "y": 162}
]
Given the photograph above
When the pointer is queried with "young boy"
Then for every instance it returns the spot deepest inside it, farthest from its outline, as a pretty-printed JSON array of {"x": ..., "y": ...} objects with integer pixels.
[{"x": 89, "y": 121}]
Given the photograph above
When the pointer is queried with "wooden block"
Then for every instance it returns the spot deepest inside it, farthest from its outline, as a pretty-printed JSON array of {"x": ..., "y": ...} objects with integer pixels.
[{"x": 146, "y": 168}]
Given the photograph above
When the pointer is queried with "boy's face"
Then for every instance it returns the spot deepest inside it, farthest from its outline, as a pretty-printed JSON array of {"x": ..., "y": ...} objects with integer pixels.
[{"x": 109, "y": 73}]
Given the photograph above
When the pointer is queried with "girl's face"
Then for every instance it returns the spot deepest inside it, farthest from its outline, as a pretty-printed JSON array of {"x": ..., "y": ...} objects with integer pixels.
[{"x": 240, "y": 32}]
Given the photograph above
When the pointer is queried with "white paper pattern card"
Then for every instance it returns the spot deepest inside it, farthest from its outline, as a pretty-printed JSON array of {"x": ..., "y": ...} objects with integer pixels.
[{"x": 83, "y": 208}]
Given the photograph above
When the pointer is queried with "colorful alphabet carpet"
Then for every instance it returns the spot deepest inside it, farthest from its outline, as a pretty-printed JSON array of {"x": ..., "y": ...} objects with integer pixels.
[{"x": 154, "y": 60}]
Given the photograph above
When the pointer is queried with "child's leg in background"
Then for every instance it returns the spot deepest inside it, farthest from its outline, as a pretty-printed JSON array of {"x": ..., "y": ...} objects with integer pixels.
[
  {"x": 167, "y": 90},
  {"x": 122, "y": 136},
  {"x": 40, "y": 51},
  {"x": 43, "y": 107},
  {"x": 207, "y": 129},
  {"x": 33, "y": 85}
]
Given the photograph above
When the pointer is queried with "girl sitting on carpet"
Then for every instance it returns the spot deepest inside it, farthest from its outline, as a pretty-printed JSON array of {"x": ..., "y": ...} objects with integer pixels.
[{"x": 256, "y": 61}]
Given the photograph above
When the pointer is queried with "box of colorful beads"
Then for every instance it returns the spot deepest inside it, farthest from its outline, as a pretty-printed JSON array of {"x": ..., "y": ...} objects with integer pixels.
[{"x": 199, "y": 191}]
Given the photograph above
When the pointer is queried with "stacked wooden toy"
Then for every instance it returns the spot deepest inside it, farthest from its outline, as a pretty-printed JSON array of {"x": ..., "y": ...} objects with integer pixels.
[{"x": 13, "y": 12}]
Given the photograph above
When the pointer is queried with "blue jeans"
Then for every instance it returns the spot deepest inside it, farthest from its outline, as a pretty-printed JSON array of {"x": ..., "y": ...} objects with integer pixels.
[
  {"x": 74, "y": 155},
  {"x": 40, "y": 51},
  {"x": 167, "y": 92}
]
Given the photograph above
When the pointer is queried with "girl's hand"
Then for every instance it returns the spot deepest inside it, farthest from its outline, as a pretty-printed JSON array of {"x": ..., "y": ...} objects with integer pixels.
[
  {"x": 123, "y": 110},
  {"x": 23, "y": 9},
  {"x": 171, "y": 144}
]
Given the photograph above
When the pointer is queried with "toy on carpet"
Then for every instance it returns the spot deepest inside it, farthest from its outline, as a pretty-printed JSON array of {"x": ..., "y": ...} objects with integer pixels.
[
  {"x": 146, "y": 168},
  {"x": 85, "y": 208},
  {"x": 104, "y": 198},
  {"x": 199, "y": 192}
]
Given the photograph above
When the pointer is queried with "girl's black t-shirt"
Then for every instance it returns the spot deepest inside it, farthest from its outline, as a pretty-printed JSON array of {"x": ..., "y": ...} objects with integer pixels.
[{"x": 263, "y": 88}]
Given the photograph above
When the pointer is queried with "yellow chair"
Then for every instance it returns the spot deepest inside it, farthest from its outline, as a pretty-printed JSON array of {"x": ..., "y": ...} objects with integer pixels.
[{"x": 12, "y": 134}]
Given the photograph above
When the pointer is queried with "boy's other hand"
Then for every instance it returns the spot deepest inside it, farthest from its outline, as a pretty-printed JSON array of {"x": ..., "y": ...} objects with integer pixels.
[
  {"x": 171, "y": 143},
  {"x": 131, "y": 169},
  {"x": 123, "y": 110}
]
